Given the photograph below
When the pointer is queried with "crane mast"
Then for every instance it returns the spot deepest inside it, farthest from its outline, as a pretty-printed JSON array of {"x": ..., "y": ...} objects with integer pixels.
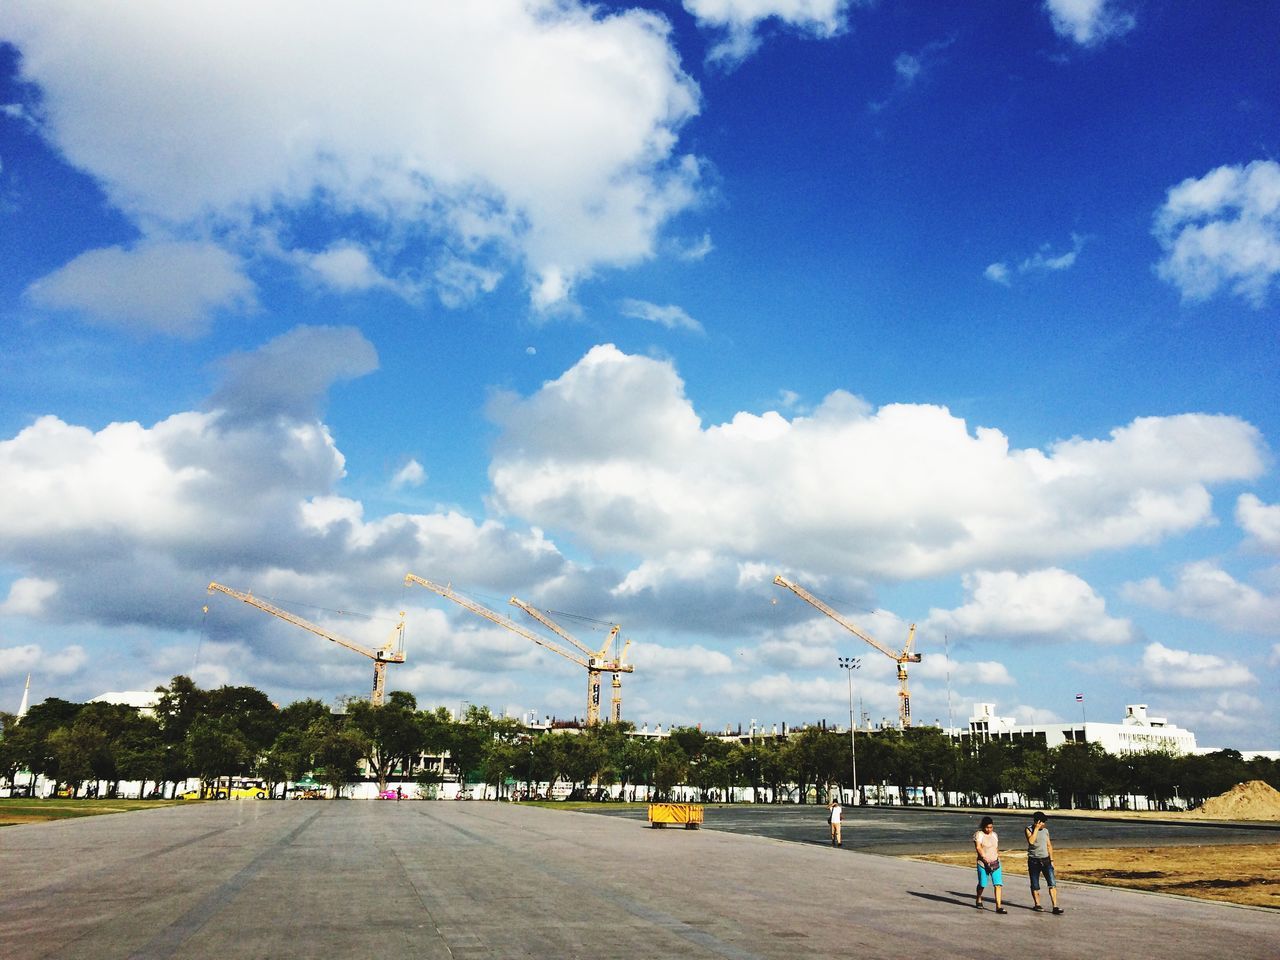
[
  {"x": 380, "y": 656},
  {"x": 901, "y": 659},
  {"x": 596, "y": 662}
]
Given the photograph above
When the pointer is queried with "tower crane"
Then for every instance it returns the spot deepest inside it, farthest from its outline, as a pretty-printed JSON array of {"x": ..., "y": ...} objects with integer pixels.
[
  {"x": 901, "y": 659},
  {"x": 380, "y": 656},
  {"x": 596, "y": 662}
]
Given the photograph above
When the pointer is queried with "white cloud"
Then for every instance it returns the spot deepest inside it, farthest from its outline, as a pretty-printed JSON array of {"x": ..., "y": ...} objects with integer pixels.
[
  {"x": 27, "y": 596},
  {"x": 671, "y": 317},
  {"x": 1274, "y": 659},
  {"x": 903, "y": 491},
  {"x": 290, "y": 375},
  {"x": 247, "y": 500},
  {"x": 655, "y": 660},
  {"x": 1231, "y": 713},
  {"x": 1047, "y": 604},
  {"x": 983, "y": 673},
  {"x": 739, "y": 21},
  {"x": 696, "y": 250},
  {"x": 1042, "y": 261},
  {"x": 1170, "y": 669},
  {"x": 1260, "y": 520},
  {"x": 412, "y": 474},
  {"x": 1206, "y": 592},
  {"x": 1088, "y": 22},
  {"x": 347, "y": 268},
  {"x": 371, "y": 121},
  {"x": 997, "y": 273},
  {"x": 1223, "y": 230},
  {"x": 907, "y": 67},
  {"x": 31, "y": 657},
  {"x": 160, "y": 287},
  {"x": 1036, "y": 715}
]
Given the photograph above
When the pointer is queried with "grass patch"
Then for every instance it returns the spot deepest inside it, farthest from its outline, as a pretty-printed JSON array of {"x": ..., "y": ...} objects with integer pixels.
[
  {"x": 23, "y": 810},
  {"x": 1246, "y": 873},
  {"x": 582, "y": 805}
]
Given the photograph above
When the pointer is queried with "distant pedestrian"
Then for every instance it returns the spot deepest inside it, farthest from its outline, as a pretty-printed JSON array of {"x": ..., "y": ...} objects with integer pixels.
[
  {"x": 987, "y": 844},
  {"x": 1040, "y": 861},
  {"x": 399, "y": 794},
  {"x": 835, "y": 813}
]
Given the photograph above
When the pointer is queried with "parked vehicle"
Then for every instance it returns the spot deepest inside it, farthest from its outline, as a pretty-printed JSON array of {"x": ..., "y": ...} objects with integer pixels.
[{"x": 240, "y": 789}]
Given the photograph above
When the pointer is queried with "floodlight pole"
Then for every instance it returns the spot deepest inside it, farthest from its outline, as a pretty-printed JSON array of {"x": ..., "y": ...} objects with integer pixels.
[{"x": 850, "y": 664}]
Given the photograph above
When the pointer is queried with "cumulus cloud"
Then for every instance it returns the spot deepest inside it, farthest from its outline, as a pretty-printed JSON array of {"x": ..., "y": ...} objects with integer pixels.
[
  {"x": 1169, "y": 669},
  {"x": 657, "y": 660},
  {"x": 156, "y": 287},
  {"x": 903, "y": 491},
  {"x": 290, "y": 375},
  {"x": 739, "y": 22},
  {"x": 122, "y": 516},
  {"x": 1088, "y": 22},
  {"x": 369, "y": 122},
  {"x": 1229, "y": 713},
  {"x": 347, "y": 268},
  {"x": 670, "y": 316},
  {"x": 1260, "y": 520},
  {"x": 997, "y": 273},
  {"x": 1047, "y": 604},
  {"x": 27, "y": 596},
  {"x": 412, "y": 474},
  {"x": 1204, "y": 591},
  {"x": 29, "y": 657},
  {"x": 984, "y": 673},
  {"x": 1222, "y": 230},
  {"x": 1035, "y": 715}
]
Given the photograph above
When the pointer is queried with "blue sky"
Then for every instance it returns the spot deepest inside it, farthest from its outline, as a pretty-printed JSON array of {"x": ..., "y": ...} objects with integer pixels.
[{"x": 959, "y": 315}]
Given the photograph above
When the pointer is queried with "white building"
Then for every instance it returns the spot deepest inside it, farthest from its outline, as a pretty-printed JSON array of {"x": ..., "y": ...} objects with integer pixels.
[
  {"x": 144, "y": 701},
  {"x": 1136, "y": 733}
]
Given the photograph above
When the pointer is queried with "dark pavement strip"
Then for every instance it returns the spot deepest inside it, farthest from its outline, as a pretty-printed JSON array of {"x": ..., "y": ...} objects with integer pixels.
[
  {"x": 907, "y": 831},
  {"x": 427, "y": 880}
]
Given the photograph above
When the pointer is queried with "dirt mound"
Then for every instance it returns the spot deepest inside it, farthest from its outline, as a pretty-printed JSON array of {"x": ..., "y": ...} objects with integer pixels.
[{"x": 1253, "y": 800}]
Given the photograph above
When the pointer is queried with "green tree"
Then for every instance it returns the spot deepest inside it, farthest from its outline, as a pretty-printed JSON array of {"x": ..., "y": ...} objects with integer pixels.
[
  {"x": 78, "y": 749},
  {"x": 215, "y": 749},
  {"x": 1076, "y": 772},
  {"x": 337, "y": 756},
  {"x": 391, "y": 732}
]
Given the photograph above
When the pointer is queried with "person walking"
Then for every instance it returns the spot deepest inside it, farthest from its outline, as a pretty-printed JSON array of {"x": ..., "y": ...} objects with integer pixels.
[
  {"x": 835, "y": 813},
  {"x": 1040, "y": 862},
  {"x": 987, "y": 843}
]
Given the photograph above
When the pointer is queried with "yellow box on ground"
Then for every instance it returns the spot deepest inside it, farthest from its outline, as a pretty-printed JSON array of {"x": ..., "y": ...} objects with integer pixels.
[{"x": 688, "y": 814}]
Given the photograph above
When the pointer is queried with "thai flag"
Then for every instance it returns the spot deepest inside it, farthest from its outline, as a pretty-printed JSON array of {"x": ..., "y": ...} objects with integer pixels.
[{"x": 1079, "y": 698}]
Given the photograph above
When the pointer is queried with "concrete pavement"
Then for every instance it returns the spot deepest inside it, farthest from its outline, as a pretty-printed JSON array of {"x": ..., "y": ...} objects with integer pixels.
[{"x": 468, "y": 880}]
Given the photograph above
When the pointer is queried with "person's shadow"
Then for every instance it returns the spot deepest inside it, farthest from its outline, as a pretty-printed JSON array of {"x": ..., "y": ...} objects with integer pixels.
[
  {"x": 962, "y": 900},
  {"x": 956, "y": 899}
]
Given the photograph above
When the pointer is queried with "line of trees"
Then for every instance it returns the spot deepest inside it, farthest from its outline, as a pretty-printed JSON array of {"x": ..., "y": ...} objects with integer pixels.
[{"x": 237, "y": 732}]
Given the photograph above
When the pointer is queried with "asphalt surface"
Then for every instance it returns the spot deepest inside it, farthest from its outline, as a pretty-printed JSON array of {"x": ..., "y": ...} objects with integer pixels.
[
  {"x": 456, "y": 881},
  {"x": 905, "y": 831}
]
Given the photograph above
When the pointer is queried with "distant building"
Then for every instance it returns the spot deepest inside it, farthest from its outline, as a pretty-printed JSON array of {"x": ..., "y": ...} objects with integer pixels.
[
  {"x": 144, "y": 701},
  {"x": 1136, "y": 733}
]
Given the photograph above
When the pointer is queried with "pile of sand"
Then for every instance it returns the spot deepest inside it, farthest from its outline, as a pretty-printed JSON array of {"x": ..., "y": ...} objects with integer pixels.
[{"x": 1254, "y": 800}]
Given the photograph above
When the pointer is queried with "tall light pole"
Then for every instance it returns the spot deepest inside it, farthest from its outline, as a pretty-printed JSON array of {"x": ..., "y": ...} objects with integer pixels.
[{"x": 851, "y": 664}]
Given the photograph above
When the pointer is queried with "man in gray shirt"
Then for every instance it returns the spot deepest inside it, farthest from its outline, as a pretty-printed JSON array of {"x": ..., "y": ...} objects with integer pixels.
[{"x": 1040, "y": 861}]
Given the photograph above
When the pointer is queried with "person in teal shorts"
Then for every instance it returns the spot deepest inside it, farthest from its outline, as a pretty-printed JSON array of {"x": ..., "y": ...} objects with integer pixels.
[{"x": 987, "y": 844}]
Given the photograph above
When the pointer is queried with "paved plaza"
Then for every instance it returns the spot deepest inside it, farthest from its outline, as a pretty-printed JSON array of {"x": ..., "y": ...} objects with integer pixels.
[{"x": 424, "y": 880}]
